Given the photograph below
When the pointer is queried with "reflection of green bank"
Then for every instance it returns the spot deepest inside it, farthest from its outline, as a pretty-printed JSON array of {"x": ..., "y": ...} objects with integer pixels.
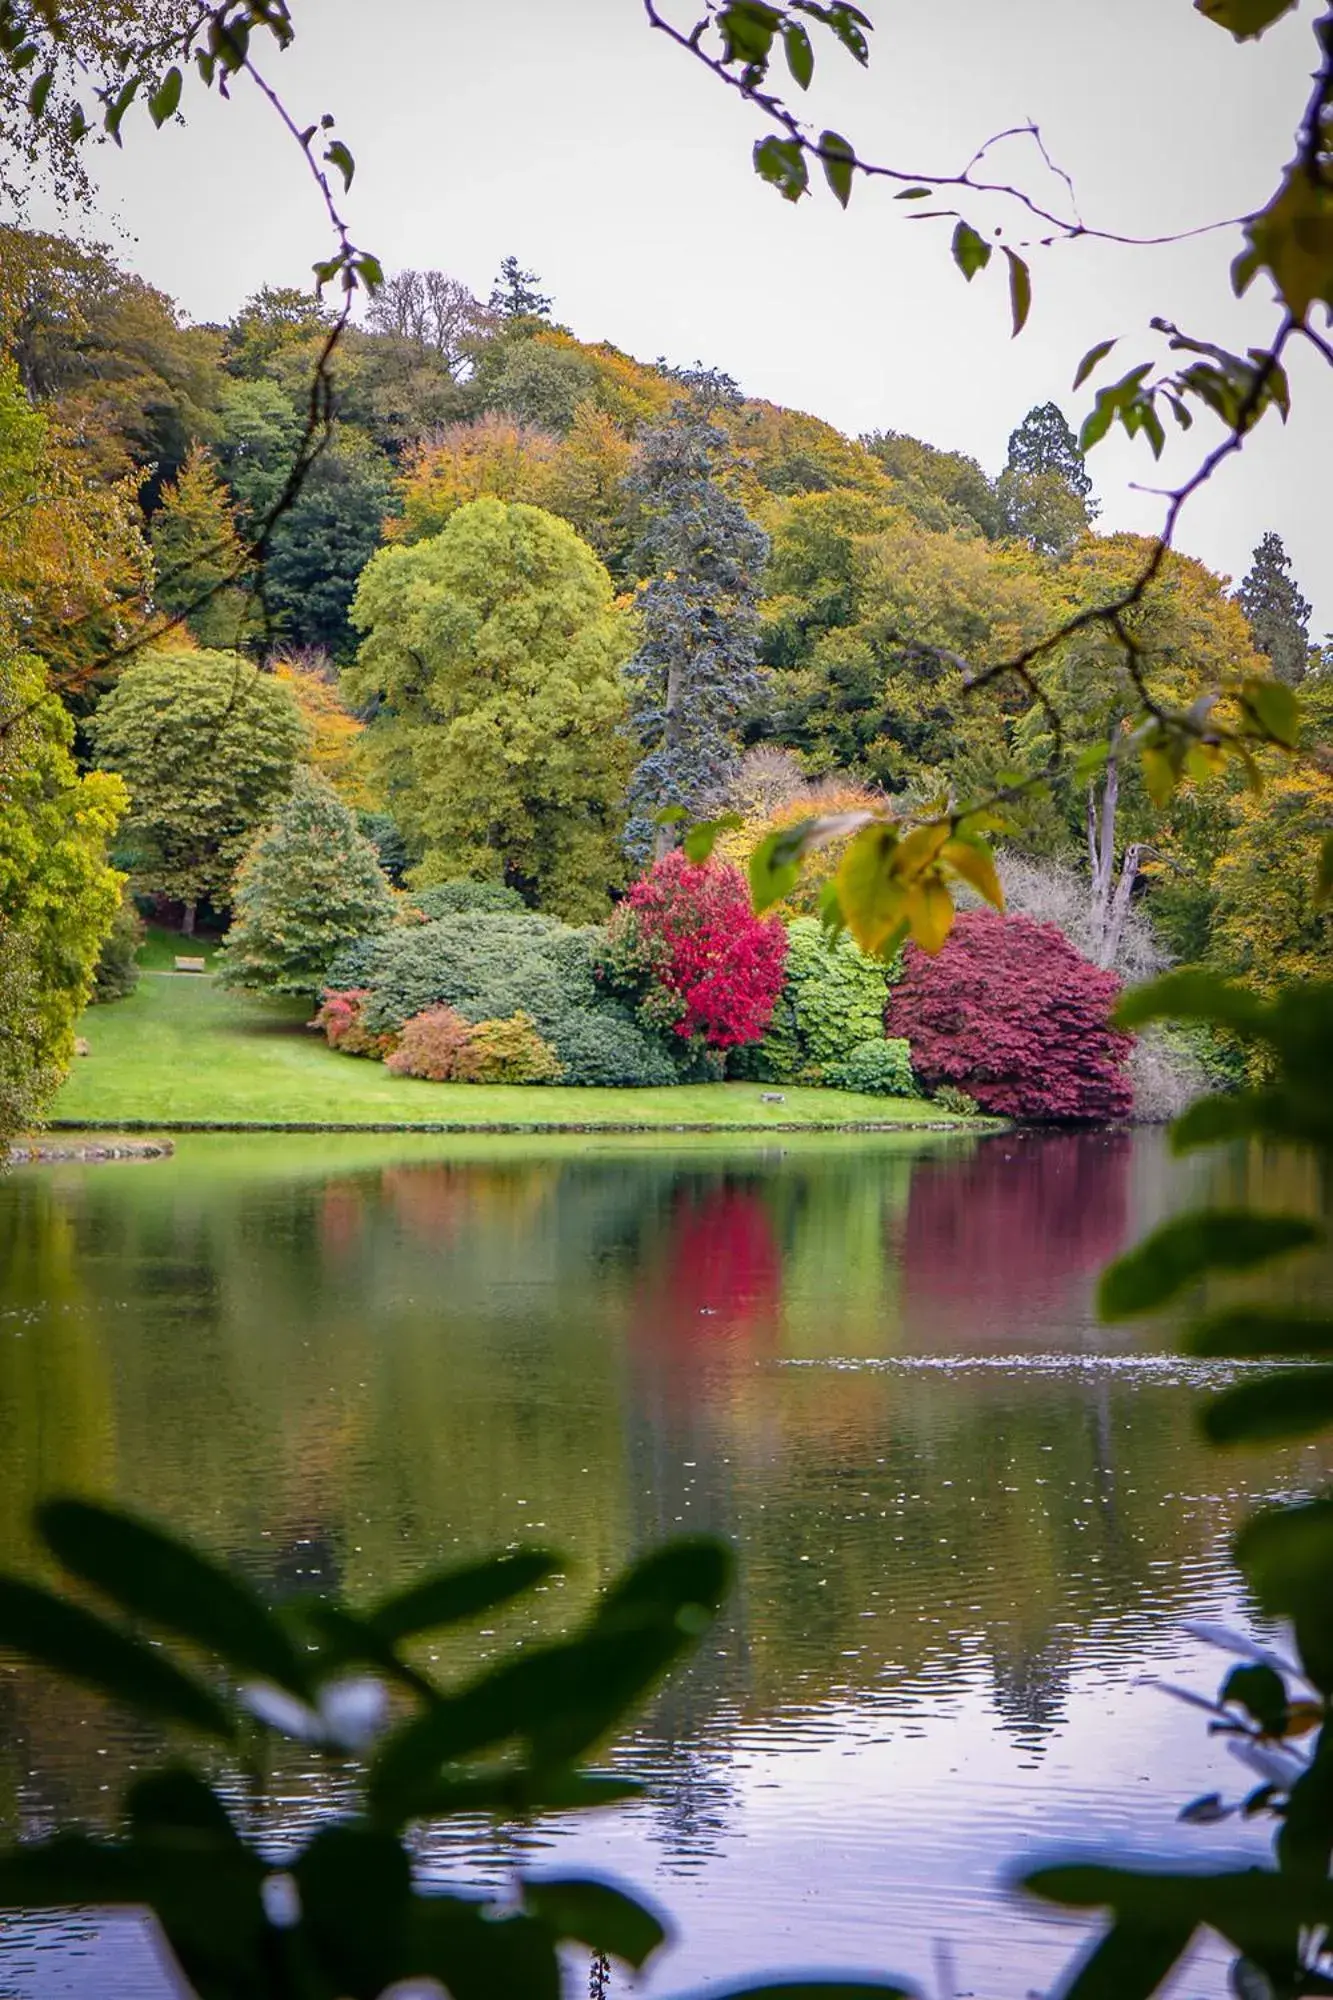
[{"x": 182, "y": 1052}]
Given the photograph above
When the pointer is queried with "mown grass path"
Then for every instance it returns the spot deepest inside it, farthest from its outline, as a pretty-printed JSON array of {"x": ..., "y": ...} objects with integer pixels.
[{"x": 182, "y": 1051}]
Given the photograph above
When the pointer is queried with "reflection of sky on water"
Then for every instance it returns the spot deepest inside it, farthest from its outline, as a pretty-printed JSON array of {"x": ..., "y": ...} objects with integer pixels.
[{"x": 969, "y": 1519}]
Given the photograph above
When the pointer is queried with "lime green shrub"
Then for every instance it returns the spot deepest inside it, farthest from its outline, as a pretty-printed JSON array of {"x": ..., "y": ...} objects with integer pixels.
[
  {"x": 833, "y": 1000},
  {"x": 881, "y": 1068}
]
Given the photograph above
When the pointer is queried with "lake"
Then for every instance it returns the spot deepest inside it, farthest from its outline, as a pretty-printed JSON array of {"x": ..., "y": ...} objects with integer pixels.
[{"x": 970, "y": 1519}]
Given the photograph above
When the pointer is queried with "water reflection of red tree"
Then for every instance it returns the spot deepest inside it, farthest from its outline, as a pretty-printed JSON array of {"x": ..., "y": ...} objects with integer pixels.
[
  {"x": 714, "y": 1280},
  {"x": 999, "y": 1246}
]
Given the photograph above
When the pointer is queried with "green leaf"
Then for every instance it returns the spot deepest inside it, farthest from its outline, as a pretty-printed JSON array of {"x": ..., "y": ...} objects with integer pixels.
[
  {"x": 77, "y": 1643},
  {"x": 1246, "y": 20},
  {"x": 165, "y": 99},
  {"x": 338, "y": 156},
  {"x": 800, "y": 55},
  {"x": 838, "y": 159},
  {"x": 971, "y": 253},
  {"x": 1261, "y": 1693},
  {"x": 1092, "y": 359},
  {"x": 1190, "y": 996},
  {"x": 1293, "y": 1404},
  {"x": 1020, "y": 291},
  {"x": 562, "y": 1699},
  {"x": 781, "y": 162},
  {"x": 165, "y": 1581},
  {"x": 178, "y": 1801},
  {"x": 1275, "y": 708},
  {"x": 872, "y": 895},
  {"x": 913, "y": 194},
  {"x": 1248, "y": 1333},
  {"x": 775, "y": 865},
  {"x": 1287, "y": 1555},
  {"x": 681, "y": 1585},
  {"x": 1130, "y": 1962},
  {"x": 40, "y": 92},
  {"x": 703, "y": 837},
  {"x": 747, "y": 28},
  {"x": 597, "y": 1915},
  {"x": 478, "y": 1952},
  {"x": 457, "y": 1594},
  {"x": 370, "y": 271},
  {"x": 355, "y": 1884},
  {"x": 1210, "y": 1121},
  {"x": 1192, "y": 1246},
  {"x": 847, "y": 23}
]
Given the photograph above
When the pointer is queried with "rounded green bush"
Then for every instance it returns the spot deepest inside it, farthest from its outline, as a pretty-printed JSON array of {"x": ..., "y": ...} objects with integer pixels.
[
  {"x": 462, "y": 898},
  {"x": 879, "y": 1068},
  {"x": 832, "y": 1000}
]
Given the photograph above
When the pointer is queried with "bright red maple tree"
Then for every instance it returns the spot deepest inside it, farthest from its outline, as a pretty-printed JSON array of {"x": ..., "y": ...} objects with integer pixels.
[
  {"x": 1010, "y": 1012},
  {"x": 706, "y": 967}
]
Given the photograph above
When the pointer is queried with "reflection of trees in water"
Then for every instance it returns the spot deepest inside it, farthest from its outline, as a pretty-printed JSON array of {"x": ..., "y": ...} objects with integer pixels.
[
  {"x": 1020, "y": 1228},
  {"x": 354, "y": 1374},
  {"x": 1030, "y": 1687}
]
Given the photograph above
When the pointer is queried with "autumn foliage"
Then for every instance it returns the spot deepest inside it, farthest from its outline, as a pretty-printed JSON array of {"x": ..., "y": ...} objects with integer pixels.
[
  {"x": 342, "y": 1022},
  {"x": 1011, "y": 1013},
  {"x": 704, "y": 965}
]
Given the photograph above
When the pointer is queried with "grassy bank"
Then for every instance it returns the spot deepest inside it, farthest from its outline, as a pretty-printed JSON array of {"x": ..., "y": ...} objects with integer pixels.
[{"x": 182, "y": 1052}]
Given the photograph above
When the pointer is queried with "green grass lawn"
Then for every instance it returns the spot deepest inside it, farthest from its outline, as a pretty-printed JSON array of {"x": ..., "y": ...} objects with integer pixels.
[
  {"x": 161, "y": 948},
  {"x": 184, "y": 1051}
]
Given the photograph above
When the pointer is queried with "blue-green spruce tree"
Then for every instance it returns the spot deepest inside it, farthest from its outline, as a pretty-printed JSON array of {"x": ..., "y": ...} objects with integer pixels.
[{"x": 697, "y": 665}]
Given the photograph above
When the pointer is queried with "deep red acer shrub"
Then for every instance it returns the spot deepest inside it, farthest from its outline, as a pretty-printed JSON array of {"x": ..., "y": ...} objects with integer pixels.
[
  {"x": 688, "y": 948},
  {"x": 1011, "y": 1013}
]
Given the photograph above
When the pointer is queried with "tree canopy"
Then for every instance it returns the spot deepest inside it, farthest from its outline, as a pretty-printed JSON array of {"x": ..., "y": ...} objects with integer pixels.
[{"x": 493, "y": 653}]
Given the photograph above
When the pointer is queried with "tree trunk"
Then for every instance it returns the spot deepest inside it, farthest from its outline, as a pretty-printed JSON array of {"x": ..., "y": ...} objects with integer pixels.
[
  {"x": 1101, "y": 853},
  {"x": 1124, "y": 890},
  {"x": 187, "y": 922},
  {"x": 1110, "y": 895}
]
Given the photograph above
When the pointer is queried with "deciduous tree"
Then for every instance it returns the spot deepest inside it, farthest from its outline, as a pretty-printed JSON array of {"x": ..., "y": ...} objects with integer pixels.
[
  {"x": 206, "y": 744},
  {"x": 494, "y": 652},
  {"x": 1009, "y": 1012}
]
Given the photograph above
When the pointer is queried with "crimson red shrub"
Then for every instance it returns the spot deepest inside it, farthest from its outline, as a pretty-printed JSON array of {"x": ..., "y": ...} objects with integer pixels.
[
  {"x": 1011, "y": 1013},
  {"x": 689, "y": 949},
  {"x": 342, "y": 1019}
]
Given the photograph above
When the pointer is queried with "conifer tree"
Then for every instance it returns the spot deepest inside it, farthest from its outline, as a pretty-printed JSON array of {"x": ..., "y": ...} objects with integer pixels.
[
  {"x": 514, "y": 295},
  {"x": 697, "y": 666},
  {"x": 1279, "y": 617},
  {"x": 1045, "y": 491},
  {"x": 311, "y": 884},
  {"x": 199, "y": 555}
]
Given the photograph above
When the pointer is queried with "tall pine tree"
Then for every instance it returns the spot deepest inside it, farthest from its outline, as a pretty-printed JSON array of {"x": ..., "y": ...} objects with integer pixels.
[
  {"x": 1279, "y": 617},
  {"x": 696, "y": 668}
]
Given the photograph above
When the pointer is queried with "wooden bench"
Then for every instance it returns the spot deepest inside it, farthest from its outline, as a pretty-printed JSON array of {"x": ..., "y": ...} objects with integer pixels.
[{"x": 192, "y": 965}]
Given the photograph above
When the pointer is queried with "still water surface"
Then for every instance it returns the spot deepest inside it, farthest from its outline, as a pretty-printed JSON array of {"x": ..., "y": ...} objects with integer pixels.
[{"x": 970, "y": 1519}]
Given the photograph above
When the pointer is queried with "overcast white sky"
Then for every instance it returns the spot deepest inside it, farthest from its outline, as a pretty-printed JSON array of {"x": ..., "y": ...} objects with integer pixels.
[{"x": 565, "y": 131}]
